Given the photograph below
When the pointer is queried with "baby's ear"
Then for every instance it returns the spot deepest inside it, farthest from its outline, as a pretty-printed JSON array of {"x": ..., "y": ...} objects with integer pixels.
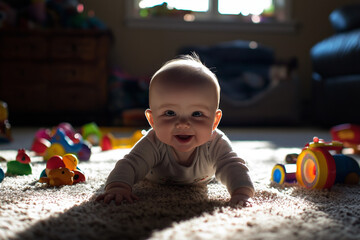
[
  {"x": 149, "y": 117},
  {"x": 218, "y": 116}
]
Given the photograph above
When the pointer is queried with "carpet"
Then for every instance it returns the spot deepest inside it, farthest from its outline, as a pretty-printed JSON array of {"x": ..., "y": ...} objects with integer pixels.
[{"x": 30, "y": 210}]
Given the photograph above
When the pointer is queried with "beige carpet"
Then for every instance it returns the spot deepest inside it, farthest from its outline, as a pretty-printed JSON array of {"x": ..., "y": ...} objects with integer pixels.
[{"x": 29, "y": 210}]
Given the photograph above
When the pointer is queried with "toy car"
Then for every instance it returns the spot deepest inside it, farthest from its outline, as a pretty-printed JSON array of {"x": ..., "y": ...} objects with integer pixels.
[{"x": 317, "y": 168}]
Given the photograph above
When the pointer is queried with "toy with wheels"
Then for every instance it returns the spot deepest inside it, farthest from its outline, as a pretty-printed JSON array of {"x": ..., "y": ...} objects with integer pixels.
[
  {"x": 317, "y": 168},
  {"x": 62, "y": 144},
  {"x": 20, "y": 166},
  {"x": 109, "y": 142},
  {"x": 62, "y": 171}
]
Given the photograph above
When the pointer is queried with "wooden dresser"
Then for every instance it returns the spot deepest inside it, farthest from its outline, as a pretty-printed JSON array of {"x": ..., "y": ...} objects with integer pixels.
[{"x": 58, "y": 74}]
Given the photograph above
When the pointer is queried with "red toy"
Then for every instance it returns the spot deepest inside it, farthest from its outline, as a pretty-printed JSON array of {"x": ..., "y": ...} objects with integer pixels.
[
  {"x": 317, "y": 168},
  {"x": 348, "y": 134},
  {"x": 62, "y": 171}
]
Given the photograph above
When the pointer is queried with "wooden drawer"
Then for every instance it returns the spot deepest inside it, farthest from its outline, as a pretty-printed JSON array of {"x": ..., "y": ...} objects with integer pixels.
[
  {"x": 23, "y": 73},
  {"x": 76, "y": 98},
  {"x": 73, "y": 74},
  {"x": 73, "y": 48},
  {"x": 23, "y": 98},
  {"x": 23, "y": 47}
]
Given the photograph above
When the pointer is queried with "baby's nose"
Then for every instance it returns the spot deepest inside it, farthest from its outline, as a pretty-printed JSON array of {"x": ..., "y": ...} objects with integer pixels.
[{"x": 183, "y": 123}]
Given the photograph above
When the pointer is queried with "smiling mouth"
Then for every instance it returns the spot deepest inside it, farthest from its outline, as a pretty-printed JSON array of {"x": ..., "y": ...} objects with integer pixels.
[{"x": 184, "y": 138}]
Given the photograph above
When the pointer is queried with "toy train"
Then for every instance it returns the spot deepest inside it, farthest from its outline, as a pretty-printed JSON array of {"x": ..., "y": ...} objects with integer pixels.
[{"x": 317, "y": 168}]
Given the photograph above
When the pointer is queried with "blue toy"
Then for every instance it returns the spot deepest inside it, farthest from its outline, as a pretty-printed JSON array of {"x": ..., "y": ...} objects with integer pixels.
[
  {"x": 2, "y": 174},
  {"x": 317, "y": 168},
  {"x": 62, "y": 144}
]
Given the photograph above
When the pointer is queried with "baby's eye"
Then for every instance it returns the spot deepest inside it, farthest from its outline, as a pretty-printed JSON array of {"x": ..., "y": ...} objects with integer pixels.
[
  {"x": 170, "y": 113},
  {"x": 197, "y": 114}
]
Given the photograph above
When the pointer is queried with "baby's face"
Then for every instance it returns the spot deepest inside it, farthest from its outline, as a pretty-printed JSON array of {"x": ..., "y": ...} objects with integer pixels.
[{"x": 184, "y": 117}]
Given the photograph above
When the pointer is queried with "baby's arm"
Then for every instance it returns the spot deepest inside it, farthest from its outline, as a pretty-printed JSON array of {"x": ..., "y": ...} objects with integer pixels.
[
  {"x": 241, "y": 196},
  {"x": 117, "y": 191}
]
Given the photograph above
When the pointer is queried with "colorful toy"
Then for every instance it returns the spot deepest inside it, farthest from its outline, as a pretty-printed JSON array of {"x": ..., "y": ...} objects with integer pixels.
[
  {"x": 40, "y": 145},
  {"x": 43, "y": 137},
  {"x": 109, "y": 142},
  {"x": 62, "y": 144},
  {"x": 58, "y": 177},
  {"x": 5, "y": 127},
  {"x": 91, "y": 133},
  {"x": 20, "y": 166},
  {"x": 62, "y": 171},
  {"x": 317, "y": 168},
  {"x": 2, "y": 174},
  {"x": 348, "y": 134}
]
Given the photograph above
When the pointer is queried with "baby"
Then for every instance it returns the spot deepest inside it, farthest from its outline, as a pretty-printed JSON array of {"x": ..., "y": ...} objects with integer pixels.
[{"x": 184, "y": 145}]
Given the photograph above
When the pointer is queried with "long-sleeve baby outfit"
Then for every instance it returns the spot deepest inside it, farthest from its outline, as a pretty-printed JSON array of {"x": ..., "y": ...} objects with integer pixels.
[{"x": 152, "y": 159}]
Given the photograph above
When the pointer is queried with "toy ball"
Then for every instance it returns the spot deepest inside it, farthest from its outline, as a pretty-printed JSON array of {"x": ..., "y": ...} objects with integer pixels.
[
  {"x": 55, "y": 162},
  {"x": 70, "y": 161}
]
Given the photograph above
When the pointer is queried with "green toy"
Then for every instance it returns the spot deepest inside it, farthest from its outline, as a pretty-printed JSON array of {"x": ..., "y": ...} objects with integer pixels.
[{"x": 20, "y": 166}]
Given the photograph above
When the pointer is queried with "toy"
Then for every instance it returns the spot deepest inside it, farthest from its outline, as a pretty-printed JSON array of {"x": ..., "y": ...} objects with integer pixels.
[
  {"x": 58, "y": 177},
  {"x": 91, "y": 133},
  {"x": 62, "y": 144},
  {"x": 317, "y": 168},
  {"x": 43, "y": 137},
  {"x": 2, "y": 174},
  {"x": 348, "y": 134},
  {"x": 20, "y": 166},
  {"x": 109, "y": 142},
  {"x": 5, "y": 127},
  {"x": 62, "y": 171}
]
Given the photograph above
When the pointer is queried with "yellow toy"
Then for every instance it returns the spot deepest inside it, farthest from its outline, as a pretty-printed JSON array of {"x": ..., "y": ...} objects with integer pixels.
[
  {"x": 109, "y": 142},
  {"x": 62, "y": 171},
  {"x": 58, "y": 177}
]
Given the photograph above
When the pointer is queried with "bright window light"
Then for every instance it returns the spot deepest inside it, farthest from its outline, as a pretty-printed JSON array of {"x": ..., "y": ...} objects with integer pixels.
[
  {"x": 244, "y": 7},
  {"x": 192, "y": 5}
]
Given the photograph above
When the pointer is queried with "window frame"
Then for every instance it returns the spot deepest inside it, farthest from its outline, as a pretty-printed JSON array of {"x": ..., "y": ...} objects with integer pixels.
[{"x": 214, "y": 23}]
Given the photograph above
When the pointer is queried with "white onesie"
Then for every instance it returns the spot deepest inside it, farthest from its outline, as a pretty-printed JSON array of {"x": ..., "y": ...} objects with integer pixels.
[{"x": 152, "y": 159}]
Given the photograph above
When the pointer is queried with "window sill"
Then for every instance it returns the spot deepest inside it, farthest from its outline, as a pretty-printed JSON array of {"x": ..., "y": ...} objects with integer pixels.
[{"x": 211, "y": 25}]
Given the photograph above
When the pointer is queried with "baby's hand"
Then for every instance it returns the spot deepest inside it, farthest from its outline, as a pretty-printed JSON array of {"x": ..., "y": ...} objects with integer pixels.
[
  {"x": 238, "y": 198},
  {"x": 241, "y": 200},
  {"x": 117, "y": 192}
]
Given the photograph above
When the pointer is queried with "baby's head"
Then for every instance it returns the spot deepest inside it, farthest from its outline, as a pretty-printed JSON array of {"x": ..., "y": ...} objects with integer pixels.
[
  {"x": 184, "y": 102},
  {"x": 182, "y": 74}
]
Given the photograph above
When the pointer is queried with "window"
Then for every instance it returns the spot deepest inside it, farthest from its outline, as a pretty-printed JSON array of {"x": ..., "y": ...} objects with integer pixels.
[{"x": 226, "y": 14}]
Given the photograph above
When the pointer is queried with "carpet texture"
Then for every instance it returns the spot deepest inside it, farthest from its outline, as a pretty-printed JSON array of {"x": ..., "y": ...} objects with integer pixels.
[{"x": 30, "y": 210}]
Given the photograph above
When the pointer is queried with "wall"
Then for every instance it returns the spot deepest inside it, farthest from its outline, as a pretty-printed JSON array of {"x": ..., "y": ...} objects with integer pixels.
[{"x": 141, "y": 51}]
